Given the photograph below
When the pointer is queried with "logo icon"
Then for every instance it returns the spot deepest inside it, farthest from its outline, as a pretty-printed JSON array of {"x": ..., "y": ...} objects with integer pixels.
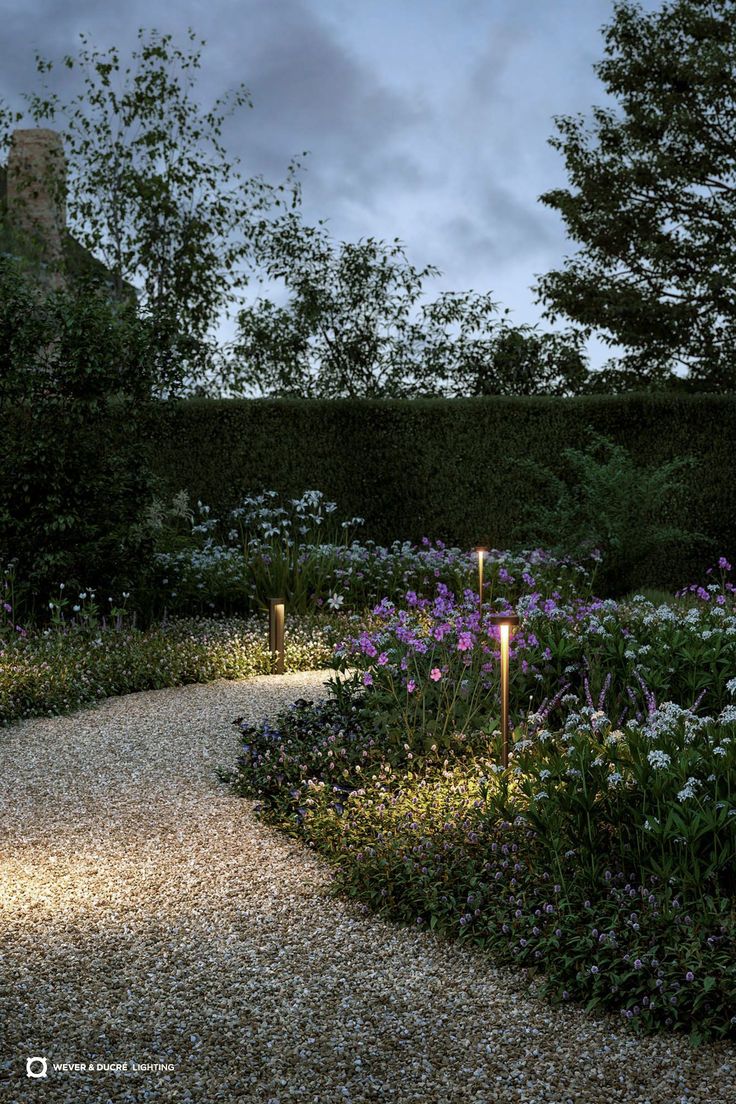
[{"x": 36, "y": 1067}]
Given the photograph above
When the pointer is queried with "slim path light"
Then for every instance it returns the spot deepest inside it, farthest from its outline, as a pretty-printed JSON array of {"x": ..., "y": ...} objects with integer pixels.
[
  {"x": 506, "y": 622},
  {"x": 276, "y": 618},
  {"x": 481, "y": 551}
]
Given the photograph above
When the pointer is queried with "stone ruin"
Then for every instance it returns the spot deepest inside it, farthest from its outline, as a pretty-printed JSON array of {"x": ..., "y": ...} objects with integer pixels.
[{"x": 35, "y": 194}]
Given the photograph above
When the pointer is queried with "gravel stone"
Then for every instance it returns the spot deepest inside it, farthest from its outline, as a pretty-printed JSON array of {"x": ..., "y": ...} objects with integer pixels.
[{"x": 148, "y": 917}]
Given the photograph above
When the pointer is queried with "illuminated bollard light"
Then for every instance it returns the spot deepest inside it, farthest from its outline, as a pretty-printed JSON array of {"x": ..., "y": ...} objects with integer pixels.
[
  {"x": 507, "y": 623},
  {"x": 480, "y": 551},
  {"x": 276, "y": 618}
]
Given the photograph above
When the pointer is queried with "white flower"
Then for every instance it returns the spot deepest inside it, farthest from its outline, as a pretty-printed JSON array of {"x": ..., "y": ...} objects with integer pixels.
[
  {"x": 658, "y": 759},
  {"x": 614, "y": 780},
  {"x": 688, "y": 790}
]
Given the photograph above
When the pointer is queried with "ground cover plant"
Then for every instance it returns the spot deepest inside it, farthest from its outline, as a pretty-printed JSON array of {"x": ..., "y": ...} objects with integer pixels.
[
  {"x": 604, "y": 857},
  {"x": 63, "y": 667}
]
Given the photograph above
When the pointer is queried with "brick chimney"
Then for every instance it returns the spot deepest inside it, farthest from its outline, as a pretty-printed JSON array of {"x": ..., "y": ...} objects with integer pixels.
[{"x": 36, "y": 195}]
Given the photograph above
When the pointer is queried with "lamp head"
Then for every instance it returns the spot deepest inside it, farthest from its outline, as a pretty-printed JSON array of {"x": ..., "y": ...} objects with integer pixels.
[{"x": 510, "y": 620}]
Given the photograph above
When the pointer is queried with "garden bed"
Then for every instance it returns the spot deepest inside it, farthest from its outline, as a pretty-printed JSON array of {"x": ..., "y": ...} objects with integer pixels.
[{"x": 603, "y": 858}]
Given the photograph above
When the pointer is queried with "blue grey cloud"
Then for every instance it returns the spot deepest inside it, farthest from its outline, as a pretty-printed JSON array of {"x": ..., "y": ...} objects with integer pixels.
[{"x": 426, "y": 120}]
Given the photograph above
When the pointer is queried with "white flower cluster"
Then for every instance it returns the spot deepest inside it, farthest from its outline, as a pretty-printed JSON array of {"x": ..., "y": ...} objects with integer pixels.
[{"x": 688, "y": 790}]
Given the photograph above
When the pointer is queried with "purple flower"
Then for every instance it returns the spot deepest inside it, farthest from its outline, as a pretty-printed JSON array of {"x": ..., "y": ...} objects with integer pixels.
[
  {"x": 411, "y": 686},
  {"x": 366, "y": 645},
  {"x": 689, "y": 976},
  {"x": 367, "y": 679}
]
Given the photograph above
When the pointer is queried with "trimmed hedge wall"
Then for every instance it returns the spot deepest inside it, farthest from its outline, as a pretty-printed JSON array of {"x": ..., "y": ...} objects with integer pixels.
[{"x": 443, "y": 468}]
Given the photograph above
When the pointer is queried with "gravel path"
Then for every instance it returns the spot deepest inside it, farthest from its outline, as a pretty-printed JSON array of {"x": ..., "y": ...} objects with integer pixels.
[{"x": 147, "y": 917}]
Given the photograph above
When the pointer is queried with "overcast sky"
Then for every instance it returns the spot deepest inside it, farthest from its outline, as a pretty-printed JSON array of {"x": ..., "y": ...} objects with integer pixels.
[{"x": 425, "y": 120}]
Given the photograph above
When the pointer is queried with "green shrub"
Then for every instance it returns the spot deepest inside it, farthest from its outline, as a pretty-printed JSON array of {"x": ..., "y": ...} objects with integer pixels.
[
  {"x": 76, "y": 380},
  {"x": 606, "y": 502}
]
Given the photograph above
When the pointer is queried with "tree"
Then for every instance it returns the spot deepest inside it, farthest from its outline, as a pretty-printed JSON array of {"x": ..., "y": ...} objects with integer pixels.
[
  {"x": 652, "y": 196},
  {"x": 154, "y": 193},
  {"x": 357, "y": 323},
  {"x": 76, "y": 374}
]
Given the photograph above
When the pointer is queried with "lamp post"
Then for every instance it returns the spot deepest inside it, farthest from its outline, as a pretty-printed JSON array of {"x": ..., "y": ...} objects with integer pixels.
[
  {"x": 480, "y": 551},
  {"x": 276, "y": 618},
  {"x": 506, "y": 622}
]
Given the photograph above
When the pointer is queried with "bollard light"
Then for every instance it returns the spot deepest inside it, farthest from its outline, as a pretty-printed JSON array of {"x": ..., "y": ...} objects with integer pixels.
[
  {"x": 276, "y": 618},
  {"x": 506, "y": 622},
  {"x": 480, "y": 552}
]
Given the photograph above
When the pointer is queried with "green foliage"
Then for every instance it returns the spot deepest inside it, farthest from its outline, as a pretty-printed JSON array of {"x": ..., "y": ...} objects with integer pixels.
[
  {"x": 651, "y": 199},
  {"x": 358, "y": 324},
  {"x": 75, "y": 381},
  {"x": 79, "y": 661},
  {"x": 448, "y": 468},
  {"x": 153, "y": 192},
  {"x": 606, "y": 501},
  {"x": 431, "y": 847},
  {"x": 603, "y": 858}
]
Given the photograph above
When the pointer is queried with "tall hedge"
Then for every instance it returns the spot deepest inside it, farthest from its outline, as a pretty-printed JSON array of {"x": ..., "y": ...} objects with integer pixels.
[{"x": 445, "y": 468}]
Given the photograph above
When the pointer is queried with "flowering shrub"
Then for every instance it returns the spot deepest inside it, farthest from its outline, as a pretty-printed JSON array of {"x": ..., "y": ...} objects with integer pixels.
[
  {"x": 297, "y": 548},
  {"x": 604, "y": 856},
  {"x": 658, "y": 795},
  {"x": 551, "y": 865},
  {"x": 432, "y": 667},
  {"x": 431, "y": 849}
]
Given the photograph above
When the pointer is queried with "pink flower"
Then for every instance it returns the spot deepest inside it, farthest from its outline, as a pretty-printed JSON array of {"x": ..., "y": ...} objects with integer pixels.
[
  {"x": 435, "y": 674},
  {"x": 411, "y": 686}
]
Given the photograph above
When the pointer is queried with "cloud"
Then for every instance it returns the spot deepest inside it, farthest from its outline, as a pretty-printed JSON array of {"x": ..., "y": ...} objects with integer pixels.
[{"x": 424, "y": 120}]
